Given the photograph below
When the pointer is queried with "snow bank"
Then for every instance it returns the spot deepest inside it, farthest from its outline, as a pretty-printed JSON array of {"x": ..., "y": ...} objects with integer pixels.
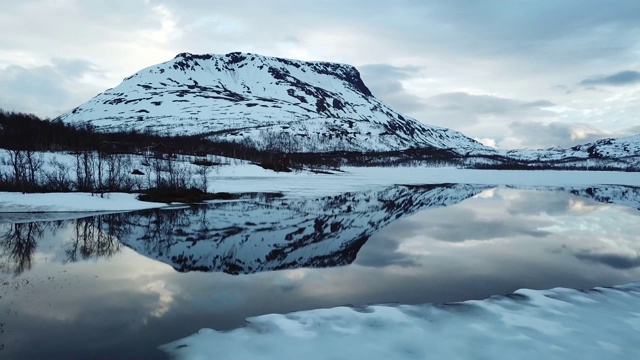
[
  {"x": 71, "y": 202},
  {"x": 603, "y": 323}
]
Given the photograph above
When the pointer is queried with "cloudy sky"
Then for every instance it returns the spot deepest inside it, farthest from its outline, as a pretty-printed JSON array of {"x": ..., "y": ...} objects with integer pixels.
[{"x": 511, "y": 73}]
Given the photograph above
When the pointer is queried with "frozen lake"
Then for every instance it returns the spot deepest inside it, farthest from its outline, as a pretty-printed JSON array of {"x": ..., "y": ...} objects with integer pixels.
[{"x": 120, "y": 285}]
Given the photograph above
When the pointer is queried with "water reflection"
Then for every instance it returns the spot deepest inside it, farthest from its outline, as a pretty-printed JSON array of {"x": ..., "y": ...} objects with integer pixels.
[
  {"x": 17, "y": 245},
  {"x": 88, "y": 241},
  {"x": 275, "y": 234},
  {"x": 250, "y": 237},
  {"x": 85, "y": 239},
  {"x": 94, "y": 288}
]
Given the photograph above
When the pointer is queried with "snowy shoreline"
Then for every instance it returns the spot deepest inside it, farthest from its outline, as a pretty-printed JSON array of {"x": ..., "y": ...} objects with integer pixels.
[
  {"x": 245, "y": 177},
  {"x": 76, "y": 202},
  {"x": 601, "y": 323}
]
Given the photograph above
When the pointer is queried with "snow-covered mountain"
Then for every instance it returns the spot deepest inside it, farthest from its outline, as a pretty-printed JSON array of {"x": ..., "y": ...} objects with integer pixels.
[
  {"x": 265, "y": 101},
  {"x": 621, "y": 153},
  {"x": 255, "y": 236}
]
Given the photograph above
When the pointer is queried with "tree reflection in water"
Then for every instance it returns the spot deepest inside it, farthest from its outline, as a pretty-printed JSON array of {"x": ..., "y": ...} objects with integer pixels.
[
  {"x": 88, "y": 238},
  {"x": 91, "y": 241},
  {"x": 18, "y": 243}
]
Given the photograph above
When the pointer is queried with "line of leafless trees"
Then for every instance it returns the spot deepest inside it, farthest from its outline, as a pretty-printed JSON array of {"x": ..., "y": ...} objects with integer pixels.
[{"x": 94, "y": 171}]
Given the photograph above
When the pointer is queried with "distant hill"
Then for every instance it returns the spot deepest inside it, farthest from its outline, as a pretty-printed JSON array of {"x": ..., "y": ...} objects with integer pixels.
[{"x": 621, "y": 153}]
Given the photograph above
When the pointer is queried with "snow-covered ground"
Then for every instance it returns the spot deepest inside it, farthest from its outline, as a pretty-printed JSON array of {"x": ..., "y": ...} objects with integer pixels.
[
  {"x": 237, "y": 176},
  {"x": 72, "y": 202},
  {"x": 247, "y": 177},
  {"x": 603, "y": 323}
]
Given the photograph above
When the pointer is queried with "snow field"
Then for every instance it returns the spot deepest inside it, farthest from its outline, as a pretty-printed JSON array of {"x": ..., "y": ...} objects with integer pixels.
[
  {"x": 603, "y": 323},
  {"x": 237, "y": 176}
]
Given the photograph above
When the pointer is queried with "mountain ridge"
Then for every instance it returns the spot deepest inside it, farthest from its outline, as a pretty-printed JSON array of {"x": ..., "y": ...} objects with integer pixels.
[{"x": 617, "y": 153}]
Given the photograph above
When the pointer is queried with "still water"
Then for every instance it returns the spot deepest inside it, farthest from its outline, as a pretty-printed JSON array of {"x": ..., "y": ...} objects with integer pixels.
[{"x": 117, "y": 286}]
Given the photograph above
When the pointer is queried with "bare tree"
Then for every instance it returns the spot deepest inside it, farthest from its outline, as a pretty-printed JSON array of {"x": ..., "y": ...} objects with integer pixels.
[
  {"x": 17, "y": 162},
  {"x": 58, "y": 178},
  {"x": 33, "y": 162},
  {"x": 85, "y": 164},
  {"x": 203, "y": 173}
]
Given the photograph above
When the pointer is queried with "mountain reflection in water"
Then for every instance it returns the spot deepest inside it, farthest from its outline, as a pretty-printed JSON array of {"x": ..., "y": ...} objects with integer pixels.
[{"x": 259, "y": 235}]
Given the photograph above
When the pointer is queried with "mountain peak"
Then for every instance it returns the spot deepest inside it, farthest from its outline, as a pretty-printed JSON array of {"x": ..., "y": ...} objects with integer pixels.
[{"x": 276, "y": 66}]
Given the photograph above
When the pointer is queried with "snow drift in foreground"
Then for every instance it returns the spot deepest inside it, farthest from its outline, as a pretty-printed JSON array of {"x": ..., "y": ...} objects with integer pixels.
[{"x": 603, "y": 323}]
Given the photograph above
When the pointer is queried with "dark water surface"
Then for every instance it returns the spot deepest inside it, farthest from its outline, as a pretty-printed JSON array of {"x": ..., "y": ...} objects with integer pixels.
[{"x": 117, "y": 286}]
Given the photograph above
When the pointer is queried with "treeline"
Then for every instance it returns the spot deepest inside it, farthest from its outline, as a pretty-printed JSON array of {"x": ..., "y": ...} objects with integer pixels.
[
  {"x": 20, "y": 131},
  {"x": 558, "y": 165},
  {"x": 99, "y": 172},
  {"x": 277, "y": 151}
]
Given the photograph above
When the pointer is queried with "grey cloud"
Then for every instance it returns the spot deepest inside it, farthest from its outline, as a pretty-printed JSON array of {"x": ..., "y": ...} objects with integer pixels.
[
  {"x": 539, "y": 104},
  {"x": 291, "y": 39},
  {"x": 459, "y": 109},
  {"x": 539, "y": 202},
  {"x": 43, "y": 90},
  {"x": 540, "y": 135},
  {"x": 634, "y": 130},
  {"x": 445, "y": 226},
  {"x": 618, "y": 79},
  {"x": 381, "y": 251},
  {"x": 386, "y": 70},
  {"x": 385, "y": 82},
  {"x": 492, "y": 46},
  {"x": 483, "y": 28},
  {"x": 516, "y": 37},
  {"x": 534, "y": 26},
  {"x": 31, "y": 90},
  {"x": 67, "y": 24},
  {"x": 616, "y": 261},
  {"x": 74, "y": 67},
  {"x": 487, "y": 104},
  {"x": 483, "y": 230}
]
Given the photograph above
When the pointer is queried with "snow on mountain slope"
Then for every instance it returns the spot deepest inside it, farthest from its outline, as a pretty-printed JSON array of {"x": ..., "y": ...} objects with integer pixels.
[
  {"x": 266, "y": 101},
  {"x": 255, "y": 236},
  {"x": 619, "y": 153}
]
